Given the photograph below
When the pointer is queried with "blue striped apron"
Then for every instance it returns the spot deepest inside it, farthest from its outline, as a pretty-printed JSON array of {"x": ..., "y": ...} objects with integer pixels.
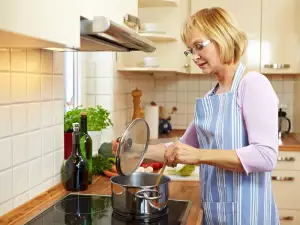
[{"x": 230, "y": 198}]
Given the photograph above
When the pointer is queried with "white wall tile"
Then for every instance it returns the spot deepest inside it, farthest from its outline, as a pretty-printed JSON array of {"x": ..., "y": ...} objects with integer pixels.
[
  {"x": 33, "y": 87},
  {"x": 120, "y": 86},
  {"x": 46, "y": 61},
  {"x": 181, "y": 97},
  {"x": 160, "y": 85},
  {"x": 104, "y": 85},
  {"x": 46, "y": 89},
  {"x": 34, "y": 144},
  {"x": 91, "y": 85},
  {"x": 48, "y": 166},
  {"x": 6, "y": 189},
  {"x": 288, "y": 98},
  {"x": 20, "y": 179},
  {"x": 58, "y": 87},
  {"x": 58, "y": 62},
  {"x": 21, "y": 199},
  {"x": 6, "y": 207},
  {"x": 204, "y": 85},
  {"x": 190, "y": 118},
  {"x": 181, "y": 108},
  {"x": 34, "y": 116},
  {"x": 58, "y": 112},
  {"x": 4, "y": 59},
  {"x": 20, "y": 149},
  {"x": 58, "y": 161},
  {"x": 193, "y": 84},
  {"x": 18, "y": 60},
  {"x": 159, "y": 97},
  {"x": 182, "y": 84},
  {"x": 192, "y": 97},
  {"x": 170, "y": 85},
  {"x": 5, "y": 121},
  {"x": 119, "y": 117},
  {"x": 119, "y": 102},
  {"x": 47, "y": 140},
  {"x": 288, "y": 86},
  {"x": 58, "y": 136},
  {"x": 170, "y": 96},
  {"x": 33, "y": 60},
  {"x": 91, "y": 101},
  {"x": 181, "y": 119},
  {"x": 47, "y": 114},
  {"x": 18, "y": 87},
  {"x": 35, "y": 173},
  {"x": 278, "y": 86},
  {"x": 106, "y": 101},
  {"x": 19, "y": 118},
  {"x": 6, "y": 159},
  {"x": 4, "y": 87}
]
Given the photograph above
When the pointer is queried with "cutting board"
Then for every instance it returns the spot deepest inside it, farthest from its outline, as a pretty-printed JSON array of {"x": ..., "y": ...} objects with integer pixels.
[{"x": 193, "y": 177}]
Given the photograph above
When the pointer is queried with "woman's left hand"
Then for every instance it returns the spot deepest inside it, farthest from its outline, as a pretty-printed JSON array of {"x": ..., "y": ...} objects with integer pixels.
[{"x": 181, "y": 153}]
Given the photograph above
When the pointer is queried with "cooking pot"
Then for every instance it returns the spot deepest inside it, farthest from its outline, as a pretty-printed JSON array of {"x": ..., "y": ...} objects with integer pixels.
[{"x": 136, "y": 194}]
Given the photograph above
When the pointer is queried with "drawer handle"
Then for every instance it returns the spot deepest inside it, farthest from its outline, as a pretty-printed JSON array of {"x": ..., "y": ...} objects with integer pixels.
[
  {"x": 277, "y": 66},
  {"x": 286, "y": 218},
  {"x": 286, "y": 159},
  {"x": 278, "y": 178}
]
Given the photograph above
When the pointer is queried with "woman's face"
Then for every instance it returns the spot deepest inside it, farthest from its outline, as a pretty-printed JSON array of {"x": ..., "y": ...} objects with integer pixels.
[{"x": 207, "y": 58}]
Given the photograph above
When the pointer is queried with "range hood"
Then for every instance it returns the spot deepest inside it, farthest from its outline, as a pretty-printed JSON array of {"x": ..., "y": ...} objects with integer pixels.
[{"x": 102, "y": 34}]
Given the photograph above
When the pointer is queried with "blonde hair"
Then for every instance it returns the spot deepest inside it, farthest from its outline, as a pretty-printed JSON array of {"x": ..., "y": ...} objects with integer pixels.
[{"x": 218, "y": 26}]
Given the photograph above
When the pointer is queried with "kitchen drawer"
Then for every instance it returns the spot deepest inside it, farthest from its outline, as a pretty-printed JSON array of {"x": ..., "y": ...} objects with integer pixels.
[
  {"x": 289, "y": 217},
  {"x": 286, "y": 189},
  {"x": 288, "y": 161}
]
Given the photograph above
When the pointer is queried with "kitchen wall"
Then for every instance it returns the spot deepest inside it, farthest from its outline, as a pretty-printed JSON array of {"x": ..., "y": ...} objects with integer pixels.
[
  {"x": 112, "y": 90},
  {"x": 31, "y": 118},
  {"x": 104, "y": 86},
  {"x": 182, "y": 90}
]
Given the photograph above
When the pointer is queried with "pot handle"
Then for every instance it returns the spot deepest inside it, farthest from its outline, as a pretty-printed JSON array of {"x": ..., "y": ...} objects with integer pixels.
[{"x": 144, "y": 196}]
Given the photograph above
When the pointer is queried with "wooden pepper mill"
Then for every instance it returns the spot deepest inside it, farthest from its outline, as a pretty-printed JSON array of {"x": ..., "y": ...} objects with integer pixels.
[{"x": 136, "y": 94}]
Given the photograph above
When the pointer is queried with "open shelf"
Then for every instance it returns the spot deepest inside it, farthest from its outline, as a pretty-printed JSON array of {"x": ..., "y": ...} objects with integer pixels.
[
  {"x": 148, "y": 70},
  {"x": 157, "y": 3},
  {"x": 157, "y": 37}
]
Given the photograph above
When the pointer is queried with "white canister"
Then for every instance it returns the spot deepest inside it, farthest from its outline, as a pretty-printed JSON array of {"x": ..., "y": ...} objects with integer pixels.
[
  {"x": 150, "y": 62},
  {"x": 151, "y": 115}
]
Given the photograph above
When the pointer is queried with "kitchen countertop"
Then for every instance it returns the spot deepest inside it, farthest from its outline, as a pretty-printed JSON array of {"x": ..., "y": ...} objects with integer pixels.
[
  {"x": 290, "y": 141},
  {"x": 187, "y": 190}
]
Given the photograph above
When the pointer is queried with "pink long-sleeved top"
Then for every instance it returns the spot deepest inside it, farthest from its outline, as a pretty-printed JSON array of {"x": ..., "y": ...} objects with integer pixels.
[{"x": 258, "y": 103}]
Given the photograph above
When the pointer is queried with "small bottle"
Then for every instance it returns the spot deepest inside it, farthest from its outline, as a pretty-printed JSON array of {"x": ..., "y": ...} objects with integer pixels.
[
  {"x": 86, "y": 144},
  {"x": 76, "y": 169}
]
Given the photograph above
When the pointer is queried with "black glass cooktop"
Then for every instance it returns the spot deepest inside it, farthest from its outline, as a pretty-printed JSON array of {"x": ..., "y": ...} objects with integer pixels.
[{"x": 96, "y": 210}]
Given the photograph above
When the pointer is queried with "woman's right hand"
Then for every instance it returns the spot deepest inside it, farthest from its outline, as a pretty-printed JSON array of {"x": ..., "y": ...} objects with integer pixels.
[{"x": 115, "y": 145}]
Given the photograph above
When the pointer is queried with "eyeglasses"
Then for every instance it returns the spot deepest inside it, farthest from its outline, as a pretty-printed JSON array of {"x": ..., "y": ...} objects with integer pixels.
[{"x": 197, "y": 47}]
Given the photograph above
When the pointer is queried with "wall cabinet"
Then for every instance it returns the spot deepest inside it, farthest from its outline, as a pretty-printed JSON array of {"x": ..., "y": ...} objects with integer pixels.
[
  {"x": 53, "y": 21},
  {"x": 280, "y": 51},
  {"x": 247, "y": 15}
]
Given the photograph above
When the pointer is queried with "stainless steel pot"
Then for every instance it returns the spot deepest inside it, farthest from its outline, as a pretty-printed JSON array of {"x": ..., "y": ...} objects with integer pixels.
[{"x": 137, "y": 194}]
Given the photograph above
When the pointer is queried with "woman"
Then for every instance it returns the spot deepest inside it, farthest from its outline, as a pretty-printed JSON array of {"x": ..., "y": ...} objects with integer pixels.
[{"x": 234, "y": 135}]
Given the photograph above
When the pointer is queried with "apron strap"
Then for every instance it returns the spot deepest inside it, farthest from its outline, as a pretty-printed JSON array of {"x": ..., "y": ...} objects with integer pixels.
[{"x": 238, "y": 76}]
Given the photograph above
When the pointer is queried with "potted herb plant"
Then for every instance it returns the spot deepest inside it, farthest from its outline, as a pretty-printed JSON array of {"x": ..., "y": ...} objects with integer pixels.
[{"x": 98, "y": 119}]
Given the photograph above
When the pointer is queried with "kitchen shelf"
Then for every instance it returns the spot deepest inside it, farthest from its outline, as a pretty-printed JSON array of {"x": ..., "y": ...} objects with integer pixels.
[
  {"x": 148, "y": 70},
  {"x": 155, "y": 37},
  {"x": 157, "y": 3}
]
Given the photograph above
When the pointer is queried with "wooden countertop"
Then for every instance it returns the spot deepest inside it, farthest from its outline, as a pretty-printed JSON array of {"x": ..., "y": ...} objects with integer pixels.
[
  {"x": 188, "y": 190},
  {"x": 289, "y": 142}
]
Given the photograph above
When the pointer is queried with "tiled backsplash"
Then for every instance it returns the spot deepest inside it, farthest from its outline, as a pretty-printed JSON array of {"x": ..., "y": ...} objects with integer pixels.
[
  {"x": 182, "y": 90},
  {"x": 31, "y": 118}
]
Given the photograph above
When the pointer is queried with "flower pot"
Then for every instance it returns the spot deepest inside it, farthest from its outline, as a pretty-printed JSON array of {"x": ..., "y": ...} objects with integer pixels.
[{"x": 67, "y": 145}]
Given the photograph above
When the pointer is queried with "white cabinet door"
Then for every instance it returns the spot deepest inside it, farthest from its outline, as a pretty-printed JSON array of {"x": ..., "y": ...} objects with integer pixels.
[
  {"x": 289, "y": 217},
  {"x": 280, "y": 36},
  {"x": 55, "y": 21},
  {"x": 247, "y": 15}
]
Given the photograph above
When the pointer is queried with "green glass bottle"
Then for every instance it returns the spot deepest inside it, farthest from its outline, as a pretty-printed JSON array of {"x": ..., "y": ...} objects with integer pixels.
[{"x": 86, "y": 144}]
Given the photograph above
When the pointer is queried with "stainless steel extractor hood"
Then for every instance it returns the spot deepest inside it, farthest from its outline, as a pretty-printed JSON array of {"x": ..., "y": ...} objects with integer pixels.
[{"x": 102, "y": 34}]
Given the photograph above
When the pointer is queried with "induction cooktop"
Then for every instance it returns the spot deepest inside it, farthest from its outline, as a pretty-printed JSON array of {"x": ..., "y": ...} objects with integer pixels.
[{"x": 84, "y": 209}]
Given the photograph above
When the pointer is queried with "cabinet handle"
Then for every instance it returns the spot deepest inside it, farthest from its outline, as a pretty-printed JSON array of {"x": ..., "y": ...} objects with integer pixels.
[
  {"x": 277, "y": 66},
  {"x": 186, "y": 65},
  {"x": 286, "y": 218},
  {"x": 286, "y": 159},
  {"x": 278, "y": 178}
]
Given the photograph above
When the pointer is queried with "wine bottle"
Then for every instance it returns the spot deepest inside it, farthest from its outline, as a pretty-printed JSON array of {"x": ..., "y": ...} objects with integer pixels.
[
  {"x": 86, "y": 144},
  {"x": 76, "y": 168}
]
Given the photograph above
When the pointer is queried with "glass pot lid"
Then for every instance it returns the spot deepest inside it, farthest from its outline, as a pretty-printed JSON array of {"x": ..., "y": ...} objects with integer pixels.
[{"x": 132, "y": 147}]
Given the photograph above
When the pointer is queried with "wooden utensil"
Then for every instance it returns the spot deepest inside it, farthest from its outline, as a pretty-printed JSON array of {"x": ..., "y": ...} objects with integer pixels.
[{"x": 163, "y": 169}]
